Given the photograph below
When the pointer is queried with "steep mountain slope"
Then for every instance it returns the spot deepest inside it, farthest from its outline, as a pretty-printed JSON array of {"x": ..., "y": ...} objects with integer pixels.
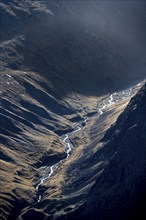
[
  {"x": 30, "y": 124},
  {"x": 56, "y": 64},
  {"x": 120, "y": 189},
  {"x": 77, "y": 46}
]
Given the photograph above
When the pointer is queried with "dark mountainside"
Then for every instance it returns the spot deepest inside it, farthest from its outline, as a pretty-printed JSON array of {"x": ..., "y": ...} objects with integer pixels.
[
  {"x": 57, "y": 60},
  {"x": 120, "y": 190},
  {"x": 77, "y": 46}
]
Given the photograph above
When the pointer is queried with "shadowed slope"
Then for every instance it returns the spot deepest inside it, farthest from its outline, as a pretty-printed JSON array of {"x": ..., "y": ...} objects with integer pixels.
[
  {"x": 120, "y": 192},
  {"x": 87, "y": 47}
]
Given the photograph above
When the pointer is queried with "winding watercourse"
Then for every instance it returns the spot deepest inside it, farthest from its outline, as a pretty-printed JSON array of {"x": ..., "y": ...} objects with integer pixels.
[{"x": 101, "y": 108}]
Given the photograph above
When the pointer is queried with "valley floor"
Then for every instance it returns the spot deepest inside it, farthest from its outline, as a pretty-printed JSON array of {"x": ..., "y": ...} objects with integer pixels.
[{"x": 67, "y": 189}]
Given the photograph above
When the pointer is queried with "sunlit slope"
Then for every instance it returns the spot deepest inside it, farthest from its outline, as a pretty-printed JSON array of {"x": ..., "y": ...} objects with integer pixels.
[{"x": 31, "y": 120}]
